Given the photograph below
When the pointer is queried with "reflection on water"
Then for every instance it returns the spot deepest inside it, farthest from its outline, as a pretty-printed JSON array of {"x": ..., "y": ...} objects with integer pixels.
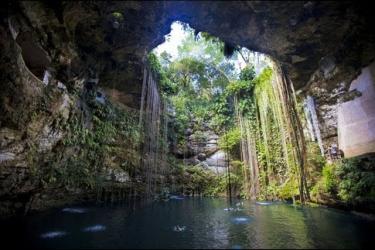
[
  {"x": 191, "y": 223},
  {"x": 95, "y": 228},
  {"x": 241, "y": 220},
  {"x": 263, "y": 203},
  {"x": 176, "y": 197},
  {"x": 236, "y": 247},
  {"x": 74, "y": 210},
  {"x": 52, "y": 234}
]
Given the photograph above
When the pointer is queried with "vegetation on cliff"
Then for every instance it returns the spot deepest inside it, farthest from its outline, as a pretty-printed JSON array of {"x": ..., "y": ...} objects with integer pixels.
[{"x": 256, "y": 116}]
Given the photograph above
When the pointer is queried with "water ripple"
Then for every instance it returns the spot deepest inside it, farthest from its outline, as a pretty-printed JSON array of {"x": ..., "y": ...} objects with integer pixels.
[
  {"x": 95, "y": 228},
  {"x": 241, "y": 220},
  {"x": 53, "y": 234},
  {"x": 74, "y": 210}
]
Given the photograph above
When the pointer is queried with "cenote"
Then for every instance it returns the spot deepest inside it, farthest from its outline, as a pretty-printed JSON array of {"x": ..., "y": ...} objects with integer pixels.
[
  {"x": 203, "y": 223},
  {"x": 187, "y": 124}
]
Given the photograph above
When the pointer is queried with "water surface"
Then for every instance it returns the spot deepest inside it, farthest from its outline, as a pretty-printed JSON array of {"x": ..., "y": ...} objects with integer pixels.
[{"x": 190, "y": 223}]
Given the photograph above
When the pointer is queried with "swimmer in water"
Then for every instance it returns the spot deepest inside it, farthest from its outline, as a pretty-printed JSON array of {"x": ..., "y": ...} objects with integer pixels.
[{"x": 178, "y": 228}]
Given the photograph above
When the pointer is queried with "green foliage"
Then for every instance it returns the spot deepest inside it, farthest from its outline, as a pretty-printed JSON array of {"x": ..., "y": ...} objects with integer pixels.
[
  {"x": 357, "y": 180},
  {"x": 182, "y": 109},
  {"x": 198, "y": 77},
  {"x": 79, "y": 160},
  {"x": 314, "y": 160},
  {"x": 264, "y": 78},
  {"x": 248, "y": 73},
  {"x": 79, "y": 168},
  {"x": 289, "y": 189},
  {"x": 193, "y": 82},
  {"x": 195, "y": 180},
  {"x": 329, "y": 178},
  {"x": 223, "y": 113},
  {"x": 166, "y": 85},
  {"x": 200, "y": 136},
  {"x": 268, "y": 115},
  {"x": 269, "y": 191},
  {"x": 230, "y": 140},
  {"x": 165, "y": 59},
  {"x": 203, "y": 47},
  {"x": 208, "y": 90},
  {"x": 236, "y": 87},
  {"x": 350, "y": 180},
  {"x": 243, "y": 89},
  {"x": 199, "y": 181},
  {"x": 326, "y": 186}
]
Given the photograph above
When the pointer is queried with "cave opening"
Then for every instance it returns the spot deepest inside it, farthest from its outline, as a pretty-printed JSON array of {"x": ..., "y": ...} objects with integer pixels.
[{"x": 222, "y": 113}]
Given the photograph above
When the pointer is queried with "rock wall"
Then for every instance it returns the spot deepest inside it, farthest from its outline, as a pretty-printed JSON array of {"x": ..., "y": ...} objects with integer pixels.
[
  {"x": 24, "y": 131},
  {"x": 42, "y": 113},
  {"x": 343, "y": 107},
  {"x": 201, "y": 148},
  {"x": 356, "y": 118}
]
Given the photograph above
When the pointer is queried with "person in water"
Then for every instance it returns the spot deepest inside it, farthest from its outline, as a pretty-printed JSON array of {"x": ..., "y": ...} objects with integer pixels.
[
  {"x": 177, "y": 228},
  {"x": 334, "y": 152}
]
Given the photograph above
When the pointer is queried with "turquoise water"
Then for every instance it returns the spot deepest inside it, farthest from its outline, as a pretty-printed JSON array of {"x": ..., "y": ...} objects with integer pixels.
[{"x": 190, "y": 223}]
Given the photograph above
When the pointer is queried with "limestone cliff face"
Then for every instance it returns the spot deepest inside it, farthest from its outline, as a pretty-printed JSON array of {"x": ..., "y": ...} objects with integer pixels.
[
  {"x": 330, "y": 100},
  {"x": 356, "y": 118},
  {"x": 48, "y": 98},
  {"x": 30, "y": 110},
  {"x": 201, "y": 148}
]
